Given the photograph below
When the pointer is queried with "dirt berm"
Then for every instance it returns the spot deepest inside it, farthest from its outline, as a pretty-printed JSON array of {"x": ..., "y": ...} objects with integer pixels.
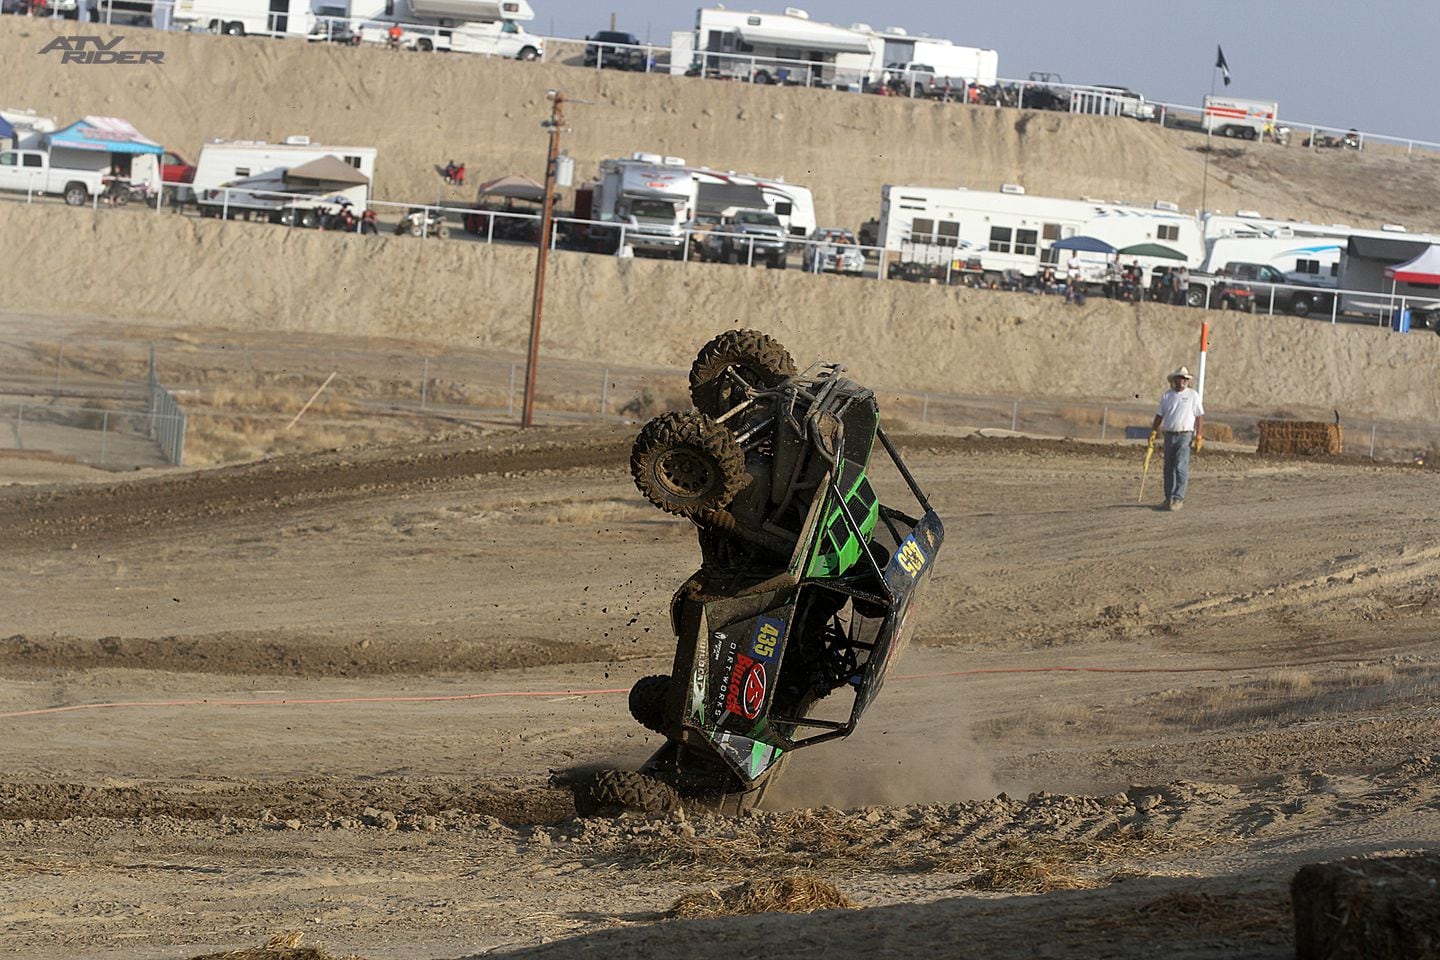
[
  {"x": 250, "y": 276},
  {"x": 420, "y": 110}
]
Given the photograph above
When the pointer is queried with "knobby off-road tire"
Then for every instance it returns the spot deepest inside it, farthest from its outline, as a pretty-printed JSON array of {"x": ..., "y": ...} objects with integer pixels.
[
  {"x": 687, "y": 464},
  {"x": 612, "y": 792},
  {"x": 647, "y": 701},
  {"x": 757, "y": 358}
]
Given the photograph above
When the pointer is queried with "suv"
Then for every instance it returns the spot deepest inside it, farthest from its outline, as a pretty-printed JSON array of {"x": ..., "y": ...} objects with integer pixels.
[
  {"x": 749, "y": 236},
  {"x": 1251, "y": 286},
  {"x": 614, "y": 50},
  {"x": 910, "y": 79}
]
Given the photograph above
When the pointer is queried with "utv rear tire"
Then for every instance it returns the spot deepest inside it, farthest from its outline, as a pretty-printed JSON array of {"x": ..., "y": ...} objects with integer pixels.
[
  {"x": 759, "y": 360},
  {"x": 612, "y": 792},
  {"x": 647, "y": 701},
  {"x": 687, "y": 464}
]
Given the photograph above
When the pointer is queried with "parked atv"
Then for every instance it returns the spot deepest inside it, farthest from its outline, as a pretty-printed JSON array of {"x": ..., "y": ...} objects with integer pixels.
[
  {"x": 805, "y": 584},
  {"x": 420, "y": 222}
]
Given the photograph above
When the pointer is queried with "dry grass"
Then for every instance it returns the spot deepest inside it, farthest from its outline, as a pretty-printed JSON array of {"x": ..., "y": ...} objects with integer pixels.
[
  {"x": 1198, "y": 912},
  {"x": 282, "y": 946},
  {"x": 1026, "y": 865},
  {"x": 791, "y": 894}
]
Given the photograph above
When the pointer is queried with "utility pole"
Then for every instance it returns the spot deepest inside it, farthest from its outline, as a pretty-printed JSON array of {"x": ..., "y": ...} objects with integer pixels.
[{"x": 555, "y": 124}]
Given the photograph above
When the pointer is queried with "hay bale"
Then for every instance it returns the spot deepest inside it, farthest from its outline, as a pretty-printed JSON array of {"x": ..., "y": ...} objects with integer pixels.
[
  {"x": 1381, "y": 908},
  {"x": 1305, "y": 438},
  {"x": 795, "y": 894}
]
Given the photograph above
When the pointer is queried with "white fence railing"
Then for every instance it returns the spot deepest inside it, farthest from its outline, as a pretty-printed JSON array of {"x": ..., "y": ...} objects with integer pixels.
[{"x": 950, "y": 267}]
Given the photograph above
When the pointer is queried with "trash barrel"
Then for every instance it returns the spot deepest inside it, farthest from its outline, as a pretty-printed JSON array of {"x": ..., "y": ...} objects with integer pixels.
[{"x": 1400, "y": 320}]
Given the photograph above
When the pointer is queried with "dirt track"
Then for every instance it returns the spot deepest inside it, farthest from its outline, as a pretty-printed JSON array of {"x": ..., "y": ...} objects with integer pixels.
[{"x": 315, "y": 634}]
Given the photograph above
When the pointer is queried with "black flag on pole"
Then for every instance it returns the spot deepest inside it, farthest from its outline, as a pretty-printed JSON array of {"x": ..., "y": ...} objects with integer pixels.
[{"x": 1221, "y": 65}]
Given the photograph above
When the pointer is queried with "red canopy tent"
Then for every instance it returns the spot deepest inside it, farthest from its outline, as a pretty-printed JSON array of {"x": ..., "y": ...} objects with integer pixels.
[{"x": 1423, "y": 269}]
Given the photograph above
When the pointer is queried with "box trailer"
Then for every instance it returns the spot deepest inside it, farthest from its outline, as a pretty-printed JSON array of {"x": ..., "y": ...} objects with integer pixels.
[{"x": 1234, "y": 117}]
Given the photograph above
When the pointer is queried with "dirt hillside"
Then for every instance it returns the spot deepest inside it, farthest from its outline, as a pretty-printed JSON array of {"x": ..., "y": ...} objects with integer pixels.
[
  {"x": 422, "y": 109},
  {"x": 903, "y": 336}
]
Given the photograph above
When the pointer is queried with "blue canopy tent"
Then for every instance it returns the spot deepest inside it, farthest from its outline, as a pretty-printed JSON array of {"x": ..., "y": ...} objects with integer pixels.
[
  {"x": 7, "y": 132},
  {"x": 102, "y": 135},
  {"x": 1083, "y": 244}
]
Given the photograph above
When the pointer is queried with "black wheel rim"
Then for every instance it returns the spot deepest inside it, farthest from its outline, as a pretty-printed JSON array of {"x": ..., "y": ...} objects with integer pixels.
[{"x": 684, "y": 474}]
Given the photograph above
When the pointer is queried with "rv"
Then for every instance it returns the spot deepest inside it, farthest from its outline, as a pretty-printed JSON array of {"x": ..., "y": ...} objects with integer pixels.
[
  {"x": 994, "y": 232},
  {"x": 240, "y": 17},
  {"x": 1234, "y": 117},
  {"x": 285, "y": 181},
  {"x": 660, "y": 200},
  {"x": 490, "y": 27},
  {"x": 789, "y": 47}
]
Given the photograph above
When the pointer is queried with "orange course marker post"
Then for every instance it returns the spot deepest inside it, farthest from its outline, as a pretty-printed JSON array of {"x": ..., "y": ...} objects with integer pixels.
[{"x": 1204, "y": 348}]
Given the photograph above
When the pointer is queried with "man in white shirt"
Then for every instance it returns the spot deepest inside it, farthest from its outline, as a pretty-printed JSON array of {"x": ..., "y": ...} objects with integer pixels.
[{"x": 1182, "y": 419}]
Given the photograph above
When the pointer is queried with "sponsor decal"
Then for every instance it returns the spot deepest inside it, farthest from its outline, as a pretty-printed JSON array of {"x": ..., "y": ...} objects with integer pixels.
[
  {"x": 745, "y": 692},
  {"x": 910, "y": 558},
  {"x": 769, "y": 632},
  {"x": 98, "y": 50}
]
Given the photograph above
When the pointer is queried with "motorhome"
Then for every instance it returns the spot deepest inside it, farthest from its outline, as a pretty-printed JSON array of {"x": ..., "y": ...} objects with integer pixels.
[
  {"x": 289, "y": 179},
  {"x": 660, "y": 199},
  {"x": 789, "y": 47},
  {"x": 993, "y": 232},
  {"x": 490, "y": 27},
  {"x": 240, "y": 17},
  {"x": 1234, "y": 117}
]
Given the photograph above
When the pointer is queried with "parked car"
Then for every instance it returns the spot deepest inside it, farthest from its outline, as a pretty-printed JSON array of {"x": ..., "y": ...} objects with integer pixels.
[
  {"x": 911, "y": 79},
  {"x": 1255, "y": 286},
  {"x": 833, "y": 249},
  {"x": 1132, "y": 104},
  {"x": 615, "y": 50},
  {"x": 1039, "y": 94},
  {"x": 747, "y": 236}
]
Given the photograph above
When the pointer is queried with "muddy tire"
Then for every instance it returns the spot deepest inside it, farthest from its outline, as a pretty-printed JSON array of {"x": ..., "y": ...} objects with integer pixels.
[
  {"x": 647, "y": 701},
  {"x": 612, "y": 792},
  {"x": 757, "y": 359},
  {"x": 687, "y": 464}
]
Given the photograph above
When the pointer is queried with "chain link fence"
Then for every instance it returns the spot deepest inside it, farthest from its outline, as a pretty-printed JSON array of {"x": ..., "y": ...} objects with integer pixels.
[{"x": 91, "y": 398}]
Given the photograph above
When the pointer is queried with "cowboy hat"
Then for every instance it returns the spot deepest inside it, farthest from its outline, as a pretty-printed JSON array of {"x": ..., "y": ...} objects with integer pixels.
[{"x": 1183, "y": 373}]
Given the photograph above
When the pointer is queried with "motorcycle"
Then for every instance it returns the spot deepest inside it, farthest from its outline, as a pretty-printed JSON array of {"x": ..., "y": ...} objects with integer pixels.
[{"x": 420, "y": 222}]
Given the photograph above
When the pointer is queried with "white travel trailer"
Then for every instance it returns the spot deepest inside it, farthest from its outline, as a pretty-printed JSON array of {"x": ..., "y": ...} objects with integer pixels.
[
  {"x": 789, "y": 47},
  {"x": 1011, "y": 230},
  {"x": 273, "y": 178},
  {"x": 239, "y": 17}
]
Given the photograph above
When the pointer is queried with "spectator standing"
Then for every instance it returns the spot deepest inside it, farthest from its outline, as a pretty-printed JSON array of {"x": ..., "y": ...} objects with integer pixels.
[
  {"x": 1072, "y": 277},
  {"x": 1112, "y": 277},
  {"x": 395, "y": 33},
  {"x": 1181, "y": 418},
  {"x": 1182, "y": 287}
]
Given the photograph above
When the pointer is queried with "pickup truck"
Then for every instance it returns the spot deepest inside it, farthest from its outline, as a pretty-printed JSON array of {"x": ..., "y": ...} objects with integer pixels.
[
  {"x": 29, "y": 171},
  {"x": 742, "y": 231},
  {"x": 1252, "y": 286}
]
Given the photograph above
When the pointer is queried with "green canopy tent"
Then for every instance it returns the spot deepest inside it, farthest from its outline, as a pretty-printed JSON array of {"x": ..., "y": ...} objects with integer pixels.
[{"x": 1157, "y": 250}]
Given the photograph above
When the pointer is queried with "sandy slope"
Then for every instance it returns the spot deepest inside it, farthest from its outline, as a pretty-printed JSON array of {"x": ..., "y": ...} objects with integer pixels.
[{"x": 421, "y": 110}]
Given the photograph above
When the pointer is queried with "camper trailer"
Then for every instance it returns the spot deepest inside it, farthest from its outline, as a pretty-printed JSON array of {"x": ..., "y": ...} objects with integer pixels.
[
  {"x": 284, "y": 181},
  {"x": 240, "y": 17},
  {"x": 995, "y": 232},
  {"x": 789, "y": 47}
]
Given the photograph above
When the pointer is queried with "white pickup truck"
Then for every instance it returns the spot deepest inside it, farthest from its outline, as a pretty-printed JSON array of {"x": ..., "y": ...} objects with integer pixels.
[{"x": 30, "y": 172}]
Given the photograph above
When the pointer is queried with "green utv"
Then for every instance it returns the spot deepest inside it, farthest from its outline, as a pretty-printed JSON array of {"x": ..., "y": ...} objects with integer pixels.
[{"x": 805, "y": 584}]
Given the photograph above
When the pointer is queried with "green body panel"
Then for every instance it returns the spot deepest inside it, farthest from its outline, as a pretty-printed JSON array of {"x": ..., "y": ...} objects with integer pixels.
[{"x": 837, "y": 549}]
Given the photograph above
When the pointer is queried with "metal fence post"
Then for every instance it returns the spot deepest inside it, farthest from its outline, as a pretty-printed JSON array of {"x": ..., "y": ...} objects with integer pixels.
[
  {"x": 604, "y": 391},
  {"x": 750, "y": 257},
  {"x": 925, "y": 408},
  {"x": 225, "y": 204},
  {"x": 1015, "y": 416},
  {"x": 424, "y": 383},
  {"x": 19, "y": 419},
  {"x": 510, "y": 404},
  {"x": 59, "y": 359},
  {"x": 1372, "y": 441},
  {"x": 1104, "y": 420},
  {"x": 104, "y": 433}
]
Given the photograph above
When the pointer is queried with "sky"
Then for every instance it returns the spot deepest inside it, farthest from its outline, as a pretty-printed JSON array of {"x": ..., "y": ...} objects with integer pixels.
[{"x": 1370, "y": 65}]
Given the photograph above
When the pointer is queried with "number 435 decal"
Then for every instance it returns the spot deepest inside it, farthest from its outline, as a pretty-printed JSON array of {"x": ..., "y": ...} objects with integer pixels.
[{"x": 910, "y": 558}]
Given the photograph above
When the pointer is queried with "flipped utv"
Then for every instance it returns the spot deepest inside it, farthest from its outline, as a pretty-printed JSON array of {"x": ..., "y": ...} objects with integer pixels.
[{"x": 806, "y": 579}]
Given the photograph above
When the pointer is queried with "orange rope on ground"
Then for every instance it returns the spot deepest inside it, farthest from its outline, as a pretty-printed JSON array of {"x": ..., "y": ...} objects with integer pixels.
[{"x": 290, "y": 702}]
